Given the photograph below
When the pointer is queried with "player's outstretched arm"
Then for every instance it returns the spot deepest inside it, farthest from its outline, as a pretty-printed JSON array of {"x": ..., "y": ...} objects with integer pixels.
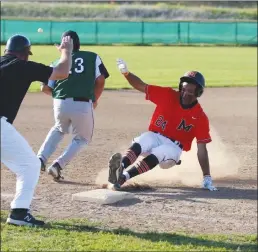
[
  {"x": 46, "y": 89},
  {"x": 133, "y": 80},
  {"x": 203, "y": 157},
  {"x": 61, "y": 70}
]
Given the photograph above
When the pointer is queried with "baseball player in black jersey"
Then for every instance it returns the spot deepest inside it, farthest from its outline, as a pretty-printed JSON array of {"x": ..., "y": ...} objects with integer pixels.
[{"x": 17, "y": 73}]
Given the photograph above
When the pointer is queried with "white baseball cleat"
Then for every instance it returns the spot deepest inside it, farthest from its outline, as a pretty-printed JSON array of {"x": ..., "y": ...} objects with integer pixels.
[{"x": 55, "y": 171}]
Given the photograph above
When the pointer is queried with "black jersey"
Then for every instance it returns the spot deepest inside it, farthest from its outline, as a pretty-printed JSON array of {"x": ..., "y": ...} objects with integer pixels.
[{"x": 15, "y": 78}]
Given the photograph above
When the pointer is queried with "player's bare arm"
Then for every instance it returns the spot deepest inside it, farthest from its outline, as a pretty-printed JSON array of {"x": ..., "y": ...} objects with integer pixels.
[
  {"x": 46, "y": 89},
  {"x": 133, "y": 80},
  {"x": 61, "y": 70},
  {"x": 203, "y": 158},
  {"x": 99, "y": 86},
  {"x": 136, "y": 82}
]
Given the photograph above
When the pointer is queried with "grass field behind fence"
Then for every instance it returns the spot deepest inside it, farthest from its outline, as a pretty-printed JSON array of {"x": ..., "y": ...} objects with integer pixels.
[
  {"x": 161, "y": 11},
  {"x": 221, "y": 66},
  {"x": 81, "y": 235}
]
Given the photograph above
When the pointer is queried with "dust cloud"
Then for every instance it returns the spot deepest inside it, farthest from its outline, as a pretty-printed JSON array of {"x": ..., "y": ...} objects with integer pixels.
[{"x": 223, "y": 162}]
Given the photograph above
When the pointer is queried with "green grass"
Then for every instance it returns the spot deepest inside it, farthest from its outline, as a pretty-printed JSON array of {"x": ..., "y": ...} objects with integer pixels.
[
  {"x": 222, "y": 66},
  {"x": 81, "y": 235},
  {"x": 101, "y": 11}
]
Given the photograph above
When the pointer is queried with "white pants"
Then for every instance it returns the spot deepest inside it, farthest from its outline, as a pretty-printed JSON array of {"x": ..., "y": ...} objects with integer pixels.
[
  {"x": 70, "y": 117},
  {"x": 167, "y": 152},
  {"x": 18, "y": 156}
]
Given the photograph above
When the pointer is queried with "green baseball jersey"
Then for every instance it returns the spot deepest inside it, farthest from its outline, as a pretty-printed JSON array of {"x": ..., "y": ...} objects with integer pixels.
[{"x": 81, "y": 80}]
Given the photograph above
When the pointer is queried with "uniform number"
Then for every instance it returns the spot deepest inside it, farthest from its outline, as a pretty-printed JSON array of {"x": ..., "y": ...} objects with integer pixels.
[
  {"x": 160, "y": 122},
  {"x": 79, "y": 67}
]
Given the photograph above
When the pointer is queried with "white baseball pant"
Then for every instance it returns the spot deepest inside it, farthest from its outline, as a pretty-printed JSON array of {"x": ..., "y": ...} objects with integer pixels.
[
  {"x": 167, "y": 152},
  {"x": 18, "y": 156},
  {"x": 69, "y": 116}
]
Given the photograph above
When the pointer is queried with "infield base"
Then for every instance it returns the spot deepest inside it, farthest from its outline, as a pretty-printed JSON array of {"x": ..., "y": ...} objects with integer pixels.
[{"x": 102, "y": 196}]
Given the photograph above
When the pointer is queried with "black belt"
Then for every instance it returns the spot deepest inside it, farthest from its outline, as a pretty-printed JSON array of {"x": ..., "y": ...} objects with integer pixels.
[
  {"x": 173, "y": 140},
  {"x": 81, "y": 99}
]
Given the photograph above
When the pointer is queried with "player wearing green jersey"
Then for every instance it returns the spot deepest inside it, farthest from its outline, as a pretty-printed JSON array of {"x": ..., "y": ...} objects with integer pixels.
[{"x": 73, "y": 101}]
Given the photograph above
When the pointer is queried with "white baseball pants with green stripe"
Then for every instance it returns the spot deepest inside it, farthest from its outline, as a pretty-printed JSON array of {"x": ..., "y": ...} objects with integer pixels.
[{"x": 74, "y": 117}]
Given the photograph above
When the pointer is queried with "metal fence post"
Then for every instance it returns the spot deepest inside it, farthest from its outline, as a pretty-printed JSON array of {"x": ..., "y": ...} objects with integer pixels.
[
  {"x": 236, "y": 33},
  {"x": 3, "y": 31},
  {"x": 178, "y": 33},
  {"x": 188, "y": 32},
  {"x": 142, "y": 33},
  {"x": 50, "y": 33},
  {"x": 96, "y": 32}
]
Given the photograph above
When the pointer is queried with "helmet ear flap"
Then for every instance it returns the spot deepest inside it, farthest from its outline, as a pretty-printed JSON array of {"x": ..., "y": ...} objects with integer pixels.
[
  {"x": 180, "y": 86},
  {"x": 199, "y": 91}
]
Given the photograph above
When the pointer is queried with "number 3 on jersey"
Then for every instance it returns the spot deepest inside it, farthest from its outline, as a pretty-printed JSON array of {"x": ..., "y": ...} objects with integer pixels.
[
  {"x": 160, "y": 122},
  {"x": 79, "y": 67}
]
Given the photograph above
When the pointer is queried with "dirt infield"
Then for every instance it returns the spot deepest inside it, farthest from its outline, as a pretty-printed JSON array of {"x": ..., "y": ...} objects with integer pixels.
[{"x": 171, "y": 205}]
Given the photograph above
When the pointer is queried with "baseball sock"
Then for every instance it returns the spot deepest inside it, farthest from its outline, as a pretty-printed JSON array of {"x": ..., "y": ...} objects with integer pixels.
[
  {"x": 131, "y": 155},
  {"x": 144, "y": 165}
]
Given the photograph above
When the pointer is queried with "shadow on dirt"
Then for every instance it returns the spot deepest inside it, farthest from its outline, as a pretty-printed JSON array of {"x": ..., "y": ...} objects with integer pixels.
[
  {"x": 227, "y": 190},
  {"x": 187, "y": 193},
  {"x": 126, "y": 202}
]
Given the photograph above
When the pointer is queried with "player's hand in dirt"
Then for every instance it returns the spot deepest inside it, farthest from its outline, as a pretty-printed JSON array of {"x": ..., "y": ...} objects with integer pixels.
[
  {"x": 207, "y": 184},
  {"x": 122, "y": 66}
]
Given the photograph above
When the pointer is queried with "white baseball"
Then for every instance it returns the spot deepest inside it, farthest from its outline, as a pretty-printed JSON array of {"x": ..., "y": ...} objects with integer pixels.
[{"x": 40, "y": 30}]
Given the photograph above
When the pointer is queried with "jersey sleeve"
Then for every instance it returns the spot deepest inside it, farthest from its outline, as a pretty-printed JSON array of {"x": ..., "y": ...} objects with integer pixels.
[
  {"x": 157, "y": 94},
  {"x": 203, "y": 130},
  {"x": 100, "y": 68},
  {"x": 38, "y": 72},
  {"x": 51, "y": 83}
]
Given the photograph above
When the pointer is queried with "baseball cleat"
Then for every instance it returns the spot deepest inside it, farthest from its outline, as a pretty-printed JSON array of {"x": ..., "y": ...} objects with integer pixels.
[
  {"x": 115, "y": 168},
  {"x": 111, "y": 186},
  {"x": 55, "y": 171},
  {"x": 43, "y": 166},
  {"x": 23, "y": 218},
  {"x": 121, "y": 180}
]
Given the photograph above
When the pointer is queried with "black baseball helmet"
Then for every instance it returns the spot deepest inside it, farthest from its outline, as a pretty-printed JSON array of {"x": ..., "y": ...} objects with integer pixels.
[
  {"x": 18, "y": 44},
  {"x": 196, "y": 78},
  {"x": 75, "y": 37}
]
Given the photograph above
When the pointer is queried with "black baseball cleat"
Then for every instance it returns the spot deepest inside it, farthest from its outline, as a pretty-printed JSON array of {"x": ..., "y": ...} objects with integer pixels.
[
  {"x": 115, "y": 168},
  {"x": 43, "y": 166},
  {"x": 22, "y": 217},
  {"x": 55, "y": 171},
  {"x": 121, "y": 180}
]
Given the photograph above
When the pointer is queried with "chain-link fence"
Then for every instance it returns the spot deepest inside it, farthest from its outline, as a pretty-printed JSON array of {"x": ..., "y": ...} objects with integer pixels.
[{"x": 124, "y": 32}]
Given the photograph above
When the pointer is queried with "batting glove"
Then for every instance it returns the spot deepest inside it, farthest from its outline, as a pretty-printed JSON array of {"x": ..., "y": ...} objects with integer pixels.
[
  {"x": 122, "y": 66},
  {"x": 207, "y": 184}
]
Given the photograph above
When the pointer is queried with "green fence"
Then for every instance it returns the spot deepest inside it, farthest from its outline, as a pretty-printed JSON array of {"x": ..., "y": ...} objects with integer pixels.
[{"x": 125, "y": 32}]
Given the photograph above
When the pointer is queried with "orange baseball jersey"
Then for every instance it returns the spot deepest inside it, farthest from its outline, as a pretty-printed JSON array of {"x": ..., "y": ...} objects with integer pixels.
[{"x": 172, "y": 121}]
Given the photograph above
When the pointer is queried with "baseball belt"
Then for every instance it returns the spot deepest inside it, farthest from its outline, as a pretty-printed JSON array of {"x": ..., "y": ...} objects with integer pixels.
[{"x": 173, "y": 140}]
